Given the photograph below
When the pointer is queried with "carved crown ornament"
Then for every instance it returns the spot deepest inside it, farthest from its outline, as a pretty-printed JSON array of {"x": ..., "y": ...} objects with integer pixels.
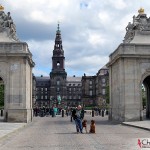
[
  {"x": 1, "y": 8},
  {"x": 140, "y": 23},
  {"x": 141, "y": 11}
]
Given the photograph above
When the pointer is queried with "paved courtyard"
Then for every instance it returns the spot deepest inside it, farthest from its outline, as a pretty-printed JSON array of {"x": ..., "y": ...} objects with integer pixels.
[{"x": 47, "y": 133}]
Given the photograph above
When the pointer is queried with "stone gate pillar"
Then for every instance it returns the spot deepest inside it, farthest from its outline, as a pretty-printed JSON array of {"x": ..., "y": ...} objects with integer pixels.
[
  {"x": 127, "y": 64},
  {"x": 16, "y": 70}
]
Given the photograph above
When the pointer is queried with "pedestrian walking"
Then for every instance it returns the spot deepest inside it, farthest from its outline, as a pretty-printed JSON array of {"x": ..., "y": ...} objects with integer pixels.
[{"x": 55, "y": 111}]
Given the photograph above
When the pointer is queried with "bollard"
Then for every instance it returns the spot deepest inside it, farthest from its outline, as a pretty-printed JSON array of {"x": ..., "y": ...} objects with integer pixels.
[
  {"x": 62, "y": 113},
  {"x": 42, "y": 113},
  {"x": 99, "y": 112},
  {"x": 106, "y": 112},
  {"x": 102, "y": 113},
  {"x": 92, "y": 113},
  {"x": 1, "y": 112},
  {"x": 6, "y": 119},
  {"x": 71, "y": 119},
  {"x": 52, "y": 113}
]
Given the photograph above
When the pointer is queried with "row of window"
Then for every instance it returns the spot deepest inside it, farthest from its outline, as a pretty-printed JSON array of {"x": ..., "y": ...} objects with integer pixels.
[
  {"x": 41, "y": 89},
  {"x": 58, "y": 83},
  {"x": 103, "y": 81},
  {"x": 74, "y": 97},
  {"x": 74, "y": 89},
  {"x": 75, "y": 85},
  {"x": 42, "y": 97},
  {"x": 58, "y": 89},
  {"x": 91, "y": 92},
  {"x": 46, "y": 89},
  {"x": 69, "y": 97}
]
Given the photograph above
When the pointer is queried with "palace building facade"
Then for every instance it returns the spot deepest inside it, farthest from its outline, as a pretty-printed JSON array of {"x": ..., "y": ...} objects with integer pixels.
[
  {"x": 58, "y": 89},
  {"x": 95, "y": 88},
  {"x": 61, "y": 90}
]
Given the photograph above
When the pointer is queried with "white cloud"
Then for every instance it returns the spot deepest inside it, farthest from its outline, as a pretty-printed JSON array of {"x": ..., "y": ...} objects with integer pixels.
[
  {"x": 42, "y": 52},
  {"x": 118, "y": 4},
  {"x": 104, "y": 17},
  {"x": 91, "y": 29},
  {"x": 38, "y": 72},
  {"x": 41, "y": 17},
  {"x": 96, "y": 39},
  {"x": 88, "y": 65}
]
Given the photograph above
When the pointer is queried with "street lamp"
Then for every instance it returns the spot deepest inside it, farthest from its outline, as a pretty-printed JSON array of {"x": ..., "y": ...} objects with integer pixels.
[{"x": 51, "y": 101}]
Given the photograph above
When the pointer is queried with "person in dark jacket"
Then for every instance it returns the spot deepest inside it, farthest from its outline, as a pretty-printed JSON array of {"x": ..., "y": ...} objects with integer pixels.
[
  {"x": 73, "y": 114},
  {"x": 78, "y": 115}
]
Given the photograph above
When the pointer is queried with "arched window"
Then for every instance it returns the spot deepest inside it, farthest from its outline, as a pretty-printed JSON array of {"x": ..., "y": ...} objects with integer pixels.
[{"x": 58, "y": 64}]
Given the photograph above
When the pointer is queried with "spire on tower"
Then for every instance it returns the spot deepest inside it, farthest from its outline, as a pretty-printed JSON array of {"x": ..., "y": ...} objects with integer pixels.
[
  {"x": 58, "y": 48},
  {"x": 58, "y": 27}
]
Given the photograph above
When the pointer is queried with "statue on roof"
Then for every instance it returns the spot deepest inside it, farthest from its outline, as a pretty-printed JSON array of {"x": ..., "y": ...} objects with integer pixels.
[
  {"x": 129, "y": 26},
  {"x": 7, "y": 26},
  {"x": 140, "y": 23}
]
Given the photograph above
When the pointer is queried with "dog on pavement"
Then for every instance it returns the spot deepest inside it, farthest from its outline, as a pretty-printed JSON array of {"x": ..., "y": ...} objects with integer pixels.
[
  {"x": 92, "y": 127},
  {"x": 84, "y": 125}
]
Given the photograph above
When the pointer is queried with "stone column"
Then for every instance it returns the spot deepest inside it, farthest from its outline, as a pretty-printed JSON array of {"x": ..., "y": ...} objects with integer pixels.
[{"x": 16, "y": 70}]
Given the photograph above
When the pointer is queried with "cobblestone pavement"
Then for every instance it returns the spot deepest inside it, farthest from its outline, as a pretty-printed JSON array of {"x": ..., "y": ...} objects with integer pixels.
[{"x": 47, "y": 133}]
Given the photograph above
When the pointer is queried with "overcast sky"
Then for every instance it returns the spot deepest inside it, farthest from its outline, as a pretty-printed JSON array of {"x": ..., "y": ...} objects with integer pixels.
[{"x": 91, "y": 30}]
